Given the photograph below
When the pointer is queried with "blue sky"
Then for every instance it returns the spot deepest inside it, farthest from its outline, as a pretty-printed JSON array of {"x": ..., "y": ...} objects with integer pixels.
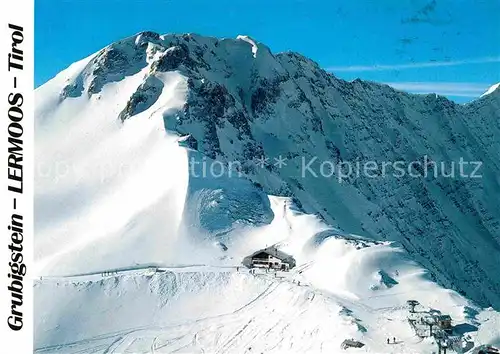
[{"x": 451, "y": 47}]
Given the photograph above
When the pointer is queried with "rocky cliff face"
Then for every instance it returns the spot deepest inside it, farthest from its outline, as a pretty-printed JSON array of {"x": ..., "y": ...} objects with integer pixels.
[{"x": 245, "y": 103}]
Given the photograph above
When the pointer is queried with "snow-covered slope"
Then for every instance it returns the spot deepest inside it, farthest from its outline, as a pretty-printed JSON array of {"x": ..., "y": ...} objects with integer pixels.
[
  {"x": 343, "y": 287},
  {"x": 492, "y": 89},
  {"x": 125, "y": 143}
]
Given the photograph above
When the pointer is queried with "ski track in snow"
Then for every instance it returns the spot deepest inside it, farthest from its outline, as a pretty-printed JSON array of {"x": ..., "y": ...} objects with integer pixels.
[
  {"x": 122, "y": 340},
  {"x": 244, "y": 329}
]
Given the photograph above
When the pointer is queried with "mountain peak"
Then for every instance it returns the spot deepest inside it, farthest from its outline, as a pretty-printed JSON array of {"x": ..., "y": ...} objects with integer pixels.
[
  {"x": 273, "y": 150},
  {"x": 250, "y": 41},
  {"x": 492, "y": 89}
]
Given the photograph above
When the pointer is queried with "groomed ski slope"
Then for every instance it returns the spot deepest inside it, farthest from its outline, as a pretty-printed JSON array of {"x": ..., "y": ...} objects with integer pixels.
[
  {"x": 129, "y": 258},
  {"x": 224, "y": 309}
]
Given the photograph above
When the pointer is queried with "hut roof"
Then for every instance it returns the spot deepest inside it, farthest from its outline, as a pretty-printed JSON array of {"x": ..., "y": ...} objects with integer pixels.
[
  {"x": 351, "y": 343},
  {"x": 273, "y": 252}
]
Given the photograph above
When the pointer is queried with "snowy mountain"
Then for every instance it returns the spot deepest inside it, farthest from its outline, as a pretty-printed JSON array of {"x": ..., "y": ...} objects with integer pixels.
[
  {"x": 129, "y": 222},
  {"x": 492, "y": 89}
]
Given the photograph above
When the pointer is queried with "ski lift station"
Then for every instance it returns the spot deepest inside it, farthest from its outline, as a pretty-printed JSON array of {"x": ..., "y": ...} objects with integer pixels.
[
  {"x": 444, "y": 322},
  {"x": 270, "y": 258}
]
